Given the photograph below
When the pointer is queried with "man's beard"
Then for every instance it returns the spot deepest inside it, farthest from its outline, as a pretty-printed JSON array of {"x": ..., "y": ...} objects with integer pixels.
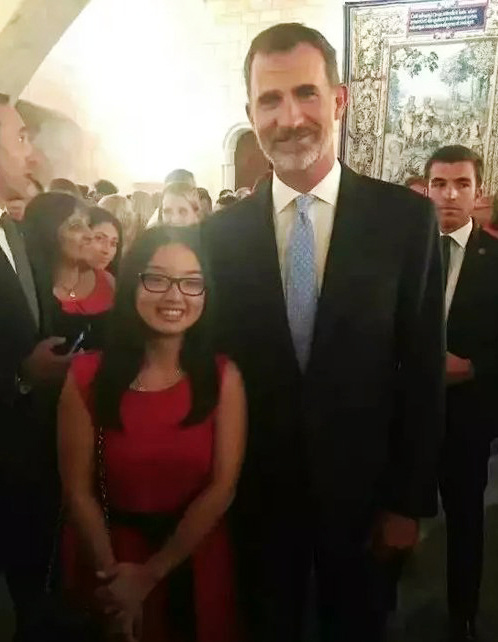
[{"x": 301, "y": 159}]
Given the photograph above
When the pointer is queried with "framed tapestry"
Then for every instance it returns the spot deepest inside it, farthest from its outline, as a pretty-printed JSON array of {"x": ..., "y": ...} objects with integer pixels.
[{"x": 421, "y": 75}]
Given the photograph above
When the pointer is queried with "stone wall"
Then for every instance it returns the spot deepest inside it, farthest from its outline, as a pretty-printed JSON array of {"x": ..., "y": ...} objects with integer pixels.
[{"x": 204, "y": 95}]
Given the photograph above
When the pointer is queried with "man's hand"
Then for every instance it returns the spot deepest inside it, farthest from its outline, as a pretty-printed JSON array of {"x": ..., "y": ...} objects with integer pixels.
[
  {"x": 393, "y": 534},
  {"x": 458, "y": 370},
  {"x": 43, "y": 365}
]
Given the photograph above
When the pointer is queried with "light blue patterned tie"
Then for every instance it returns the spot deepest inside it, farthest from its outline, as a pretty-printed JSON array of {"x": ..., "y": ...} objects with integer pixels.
[{"x": 301, "y": 282}]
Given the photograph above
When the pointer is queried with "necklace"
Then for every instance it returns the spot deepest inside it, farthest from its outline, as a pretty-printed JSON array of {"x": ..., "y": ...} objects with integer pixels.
[
  {"x": 71, "y": 291},
  {"x": 140, "y": 387}
]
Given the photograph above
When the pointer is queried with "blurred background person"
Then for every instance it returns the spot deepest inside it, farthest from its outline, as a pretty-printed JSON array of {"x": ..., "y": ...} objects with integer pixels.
[
  {"x": 205, "y": 201},
  {"x": 243, "y": 192},
  {"x": 156, "y": 200},
  {"x": 171, "y": 419},
  {"x": 492, "y": 226},
  {"x": 28, "y": 479},
  {"x": 470, "y": 267},
  {"x": 183, "y": 176},
  {"x": 64, "y": 185},
  {"x": 121, "y": 207},
  {"x": 417, "y": 184},
  {"x": 107, "y": 240},
  {"x": 143, "y": 207},
  {"x": 84, "y": 190},
  {"x": 180, "y": 206},
  {"x": 103, "y": 188},
  {"x": 225, "y": 200},
  {"x": 180, "y": 176},
  {"x": 76, "y": 297}
]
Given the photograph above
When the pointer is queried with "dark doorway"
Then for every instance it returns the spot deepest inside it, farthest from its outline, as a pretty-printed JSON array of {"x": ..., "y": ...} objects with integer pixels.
[{"x": 250, "y": 162}]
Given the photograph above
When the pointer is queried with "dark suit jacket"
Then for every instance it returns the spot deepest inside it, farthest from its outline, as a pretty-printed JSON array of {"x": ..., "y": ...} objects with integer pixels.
[
  {"x": 472, "y": 329},
  {"x": 363, "y": 426},
  {"x": 19, "y": 429},
  {"x": 18, "y": 332}
]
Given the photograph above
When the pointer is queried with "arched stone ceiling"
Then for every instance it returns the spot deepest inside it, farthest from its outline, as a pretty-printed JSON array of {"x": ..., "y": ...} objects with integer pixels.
[{"x": 29, "y": 30}]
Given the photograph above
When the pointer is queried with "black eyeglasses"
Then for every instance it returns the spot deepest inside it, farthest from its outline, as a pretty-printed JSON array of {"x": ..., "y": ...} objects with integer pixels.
[{"x": 160, "y": 283}]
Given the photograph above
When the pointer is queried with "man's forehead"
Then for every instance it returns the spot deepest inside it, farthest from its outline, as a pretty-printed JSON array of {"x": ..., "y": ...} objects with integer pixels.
[
  {"x": 460, "y": 169},
  {"x": 304, "y": 64}
]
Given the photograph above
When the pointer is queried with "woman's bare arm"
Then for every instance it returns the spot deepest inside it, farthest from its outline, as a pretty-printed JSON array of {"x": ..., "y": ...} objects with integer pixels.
[
  {"x": 207, "y": 509},
  {"x": 76, "y": 447}
]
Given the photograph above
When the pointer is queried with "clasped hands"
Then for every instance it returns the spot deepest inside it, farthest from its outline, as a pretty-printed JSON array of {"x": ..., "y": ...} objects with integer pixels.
[
  {"x": 121, "y": 594},
  {"x": 124, "y": 588}
]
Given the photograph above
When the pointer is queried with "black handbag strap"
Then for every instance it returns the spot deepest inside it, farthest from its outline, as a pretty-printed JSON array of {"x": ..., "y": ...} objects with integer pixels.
[{"x": 104, "y": 498}]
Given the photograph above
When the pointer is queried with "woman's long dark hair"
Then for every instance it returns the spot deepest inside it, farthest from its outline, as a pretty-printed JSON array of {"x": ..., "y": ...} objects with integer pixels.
[
  {"x": 124, "y": 350},
  {"x": 97, "y": 216},
  {"x": 42, "y": 220}
]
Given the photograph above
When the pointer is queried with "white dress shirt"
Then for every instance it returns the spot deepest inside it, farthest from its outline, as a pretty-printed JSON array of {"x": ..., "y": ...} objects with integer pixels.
[
  {"x": 4, "y": 244},
  {"x": 457, "y": 254},
  {"x": 321, "y": 213}
]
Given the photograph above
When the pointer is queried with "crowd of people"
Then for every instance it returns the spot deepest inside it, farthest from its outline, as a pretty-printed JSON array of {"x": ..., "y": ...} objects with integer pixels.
[
  {"x": 211, "y": 418},
  {"x": 181, "y": 202}
]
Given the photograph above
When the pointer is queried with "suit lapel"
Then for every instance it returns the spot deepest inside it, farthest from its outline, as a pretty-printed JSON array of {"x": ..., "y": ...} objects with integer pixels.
[
  {"x": 24, "y": 272},
  {"x": 345, "y": 257},
  {"x": 467, "y": 280},
  {"x": 265, "y": 255},
  {"x": 348, "y": 223},
  {"x": 12, "y": 291},
  {"x": 266, "y": 242}
]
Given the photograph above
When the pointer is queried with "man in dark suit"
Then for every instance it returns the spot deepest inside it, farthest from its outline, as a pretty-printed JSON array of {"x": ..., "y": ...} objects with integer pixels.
[
  {"x": 329, "y": 295},
  {"x": 471, "y": 268},
  {"x": 26, "y": 484}
]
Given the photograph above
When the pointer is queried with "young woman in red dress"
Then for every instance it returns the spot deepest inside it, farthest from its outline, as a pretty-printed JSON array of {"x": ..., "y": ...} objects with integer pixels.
[{"x": 172, "y": 416}]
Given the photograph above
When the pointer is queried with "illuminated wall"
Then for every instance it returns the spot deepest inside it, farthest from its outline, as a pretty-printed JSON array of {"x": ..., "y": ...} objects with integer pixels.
[{"x": 157, "y": 84}]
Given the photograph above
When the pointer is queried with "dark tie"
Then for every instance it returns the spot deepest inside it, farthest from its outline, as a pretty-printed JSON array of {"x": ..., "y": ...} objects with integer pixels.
[
  {"x": 23, "y": 267},
  {"x": 446, "y": 242}
]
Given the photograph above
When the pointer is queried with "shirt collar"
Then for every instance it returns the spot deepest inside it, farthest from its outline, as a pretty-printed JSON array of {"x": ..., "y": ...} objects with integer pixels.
[
  {"x": 462, "y": 235},
  {"x": 326, "y": 190}
]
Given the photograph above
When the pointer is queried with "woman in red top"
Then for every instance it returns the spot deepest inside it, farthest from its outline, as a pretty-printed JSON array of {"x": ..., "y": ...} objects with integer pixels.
[
  {"x": 172, "y": 415},
  {"x": 75, "y": 298}
]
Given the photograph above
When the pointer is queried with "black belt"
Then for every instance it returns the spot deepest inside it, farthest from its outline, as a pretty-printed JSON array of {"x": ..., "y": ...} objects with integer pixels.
[{"x": 156, "y": 528}]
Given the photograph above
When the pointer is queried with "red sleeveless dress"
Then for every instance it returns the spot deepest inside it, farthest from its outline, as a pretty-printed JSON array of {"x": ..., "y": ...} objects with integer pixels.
[{"x": 155, "y": 466}]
